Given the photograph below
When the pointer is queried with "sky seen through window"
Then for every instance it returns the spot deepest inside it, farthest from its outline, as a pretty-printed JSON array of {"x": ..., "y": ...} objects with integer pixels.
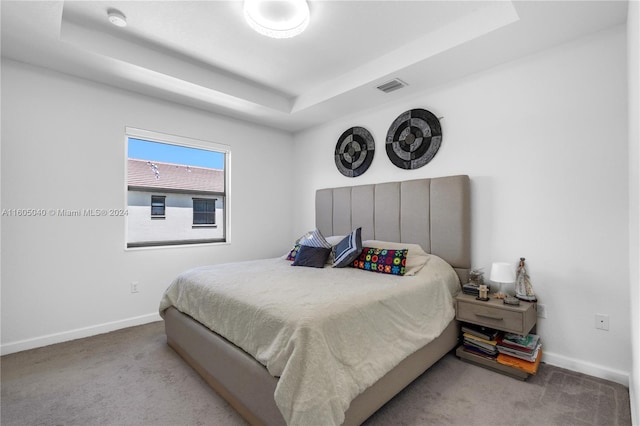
[{"x": 168, "y": 153}]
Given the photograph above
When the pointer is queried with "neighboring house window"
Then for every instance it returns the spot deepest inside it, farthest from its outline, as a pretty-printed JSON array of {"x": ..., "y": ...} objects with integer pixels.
[
  {"x": 204, "y": 211},
  {"x": 187, "y": 182},
  {"x": 157, "y": 206}
]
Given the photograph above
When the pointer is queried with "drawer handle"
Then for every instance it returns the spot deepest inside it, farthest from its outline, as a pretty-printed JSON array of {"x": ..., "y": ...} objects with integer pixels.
[{"x": 493, "y": 317}]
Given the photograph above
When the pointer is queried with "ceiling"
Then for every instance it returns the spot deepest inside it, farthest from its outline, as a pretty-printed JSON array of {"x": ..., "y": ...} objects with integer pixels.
[{"x": 203, "y": 54}]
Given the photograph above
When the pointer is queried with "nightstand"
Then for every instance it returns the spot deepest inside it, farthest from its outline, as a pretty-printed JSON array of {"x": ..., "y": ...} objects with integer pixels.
[{"x": 494, "y": 313}]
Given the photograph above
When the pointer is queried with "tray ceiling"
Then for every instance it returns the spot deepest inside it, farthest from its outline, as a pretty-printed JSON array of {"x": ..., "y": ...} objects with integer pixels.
[{"x": 203, "y": 54}]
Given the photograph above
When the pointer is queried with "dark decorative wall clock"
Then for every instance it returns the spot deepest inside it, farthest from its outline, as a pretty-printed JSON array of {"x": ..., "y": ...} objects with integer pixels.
[
  {"x": 413, "y": 139},
  {"x": 354, "y": 151}
]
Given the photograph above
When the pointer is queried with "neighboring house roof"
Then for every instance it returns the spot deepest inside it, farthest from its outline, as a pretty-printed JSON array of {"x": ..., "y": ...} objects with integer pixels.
[{"x": 144, "y": 174}]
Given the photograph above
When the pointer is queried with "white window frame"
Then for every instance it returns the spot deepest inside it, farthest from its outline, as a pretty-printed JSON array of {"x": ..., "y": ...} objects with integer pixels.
[{"x": 152, "y": 136}]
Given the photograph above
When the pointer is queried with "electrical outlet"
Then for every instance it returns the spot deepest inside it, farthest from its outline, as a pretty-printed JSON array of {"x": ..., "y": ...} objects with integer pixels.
[
  {"x": 134, "y": 286},
  {"x": 602, "y": 322},
  {"x": 542, "y": 310}
]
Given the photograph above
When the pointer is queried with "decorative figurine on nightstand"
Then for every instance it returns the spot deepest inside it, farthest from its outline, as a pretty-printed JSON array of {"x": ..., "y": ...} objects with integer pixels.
[
  {"x": 524, "y": 290},
  {"x": 483, "y": 293}
]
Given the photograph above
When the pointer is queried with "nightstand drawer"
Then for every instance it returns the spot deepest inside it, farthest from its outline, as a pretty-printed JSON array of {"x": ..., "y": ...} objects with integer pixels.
[{"x": 517, "y": 319}]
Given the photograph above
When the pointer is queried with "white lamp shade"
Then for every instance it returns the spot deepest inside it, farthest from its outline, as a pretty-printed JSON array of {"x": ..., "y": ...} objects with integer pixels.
[{"x": 503, "y": 272}]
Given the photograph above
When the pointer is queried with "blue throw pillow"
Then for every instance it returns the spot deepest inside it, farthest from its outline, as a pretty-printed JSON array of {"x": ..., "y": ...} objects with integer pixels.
[
  {"x": 311, "y": 239},
  {"x": 348, "y": 250},
  {"x": 315, "y": 257}
]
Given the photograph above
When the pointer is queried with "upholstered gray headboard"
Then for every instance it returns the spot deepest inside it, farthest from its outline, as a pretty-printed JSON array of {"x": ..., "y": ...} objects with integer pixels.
[{"x": 434, "y": 213}]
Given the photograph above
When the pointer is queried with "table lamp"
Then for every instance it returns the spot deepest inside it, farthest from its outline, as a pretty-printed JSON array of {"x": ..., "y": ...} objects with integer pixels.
[{"x": 504, "y": 274}]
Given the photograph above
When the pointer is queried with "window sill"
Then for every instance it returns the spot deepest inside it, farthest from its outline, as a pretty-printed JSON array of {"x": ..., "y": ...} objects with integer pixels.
[{"x": 174, "y": 243}]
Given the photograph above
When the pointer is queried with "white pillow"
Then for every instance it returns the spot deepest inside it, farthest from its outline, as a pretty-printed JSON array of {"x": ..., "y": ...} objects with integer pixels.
[{"x": 416, "y": 256}]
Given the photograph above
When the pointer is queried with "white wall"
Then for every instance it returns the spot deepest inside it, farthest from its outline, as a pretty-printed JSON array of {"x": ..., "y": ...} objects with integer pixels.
[
  {"x": 633, "y": 49},
  {"x": 544, "y": 140},
  {"x": 63, "y": 148}
]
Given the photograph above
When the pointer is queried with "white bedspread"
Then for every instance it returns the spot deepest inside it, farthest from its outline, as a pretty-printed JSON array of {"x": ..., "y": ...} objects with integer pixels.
[{"x": 327, "y": 333}]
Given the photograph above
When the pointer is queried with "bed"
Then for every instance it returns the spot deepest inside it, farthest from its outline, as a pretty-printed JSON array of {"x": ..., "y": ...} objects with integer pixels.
[{"x": 432, "y": 213}]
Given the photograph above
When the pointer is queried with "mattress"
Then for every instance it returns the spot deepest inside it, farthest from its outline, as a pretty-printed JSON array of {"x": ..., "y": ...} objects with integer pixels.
[{"x": 327, "y": 333}]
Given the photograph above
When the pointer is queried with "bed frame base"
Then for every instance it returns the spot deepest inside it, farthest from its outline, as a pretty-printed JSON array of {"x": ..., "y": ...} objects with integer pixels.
[
  {"x": 434, "y": 213},
  {"x": 249, "y": 388}
]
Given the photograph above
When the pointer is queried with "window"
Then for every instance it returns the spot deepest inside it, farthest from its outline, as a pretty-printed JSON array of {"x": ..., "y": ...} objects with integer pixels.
[
  {"x": 157, "y": 206},
  {"x": 183, "y": 182},
  {"x": 204, "y": 211}
]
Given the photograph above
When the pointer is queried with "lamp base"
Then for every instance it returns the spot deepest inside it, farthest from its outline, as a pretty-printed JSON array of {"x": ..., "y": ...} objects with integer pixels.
[{"x": 500, "y": 294}]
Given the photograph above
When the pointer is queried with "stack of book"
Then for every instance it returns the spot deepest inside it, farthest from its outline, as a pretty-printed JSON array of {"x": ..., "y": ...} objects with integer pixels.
[
  {"x": 480, "y": 340},
  {"x": 473, "y": 289},
  {"x": 522, "y": 352}
]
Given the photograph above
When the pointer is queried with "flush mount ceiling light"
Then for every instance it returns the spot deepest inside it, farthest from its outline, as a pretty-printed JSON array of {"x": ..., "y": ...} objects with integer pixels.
[
  {"x": 117, "y": 18},
  {"x": 277, "y": 18}
]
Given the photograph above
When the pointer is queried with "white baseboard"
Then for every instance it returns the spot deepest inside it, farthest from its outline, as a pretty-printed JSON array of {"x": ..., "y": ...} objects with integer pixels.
[
  {"x": 634, "y": 400},
  {"x": 590, "y": 369},
  {"x": 65, "y": 336},
  {"x": 621, "y": 377}
]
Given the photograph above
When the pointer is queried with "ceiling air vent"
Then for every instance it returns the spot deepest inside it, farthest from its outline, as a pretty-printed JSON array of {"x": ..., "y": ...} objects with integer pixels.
[{"x": 392, "y": 85}]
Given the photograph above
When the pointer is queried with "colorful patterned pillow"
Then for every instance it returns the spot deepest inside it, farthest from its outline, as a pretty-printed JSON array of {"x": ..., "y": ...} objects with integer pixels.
[
  {"x": 385, "y": 261},
  {"x": 417, "y": 258},
  {"x": 294, "y": 251}
]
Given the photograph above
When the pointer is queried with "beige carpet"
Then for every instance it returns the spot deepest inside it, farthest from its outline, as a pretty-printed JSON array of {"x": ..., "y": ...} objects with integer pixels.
[{"x": 131, "y": 377}]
